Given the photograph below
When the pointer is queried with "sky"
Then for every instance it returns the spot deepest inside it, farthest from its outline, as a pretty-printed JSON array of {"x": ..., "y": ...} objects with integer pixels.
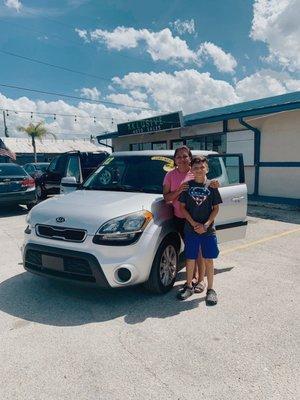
[{"x": 113, "y": 61}]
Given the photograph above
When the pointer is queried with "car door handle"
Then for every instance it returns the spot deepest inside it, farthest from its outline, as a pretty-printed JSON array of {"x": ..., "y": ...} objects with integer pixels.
[{"x": 237, "y": 199}]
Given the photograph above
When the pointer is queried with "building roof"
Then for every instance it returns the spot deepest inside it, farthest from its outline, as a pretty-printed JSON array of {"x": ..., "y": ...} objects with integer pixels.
[
  {"x": 268, "y": 105},
  {"x": 50, "y": 146}
]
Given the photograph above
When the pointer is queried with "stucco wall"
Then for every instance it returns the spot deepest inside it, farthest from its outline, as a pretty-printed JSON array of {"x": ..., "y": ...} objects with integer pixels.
[
  {"x": 250, "y": 178},
  {"x": 280, "y": 139},
  {"x": 280, "y": 182}
]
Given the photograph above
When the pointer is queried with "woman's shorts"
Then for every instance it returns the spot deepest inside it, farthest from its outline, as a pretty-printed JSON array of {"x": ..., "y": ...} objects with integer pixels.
[{"x": 206, "y": 244}]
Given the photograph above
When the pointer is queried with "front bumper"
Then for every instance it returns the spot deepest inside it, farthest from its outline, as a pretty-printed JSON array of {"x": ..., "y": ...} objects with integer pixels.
[{"x": 76, "y": 265}]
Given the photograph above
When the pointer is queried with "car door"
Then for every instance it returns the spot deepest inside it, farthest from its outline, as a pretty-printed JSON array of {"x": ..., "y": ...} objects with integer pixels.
[
  {"x": 231, "y": 221},
  {"x": 54, "y": 174}
]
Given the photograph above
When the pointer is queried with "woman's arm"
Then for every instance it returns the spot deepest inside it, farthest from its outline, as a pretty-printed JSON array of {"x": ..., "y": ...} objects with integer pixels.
[{"x": 171, "y": 196}]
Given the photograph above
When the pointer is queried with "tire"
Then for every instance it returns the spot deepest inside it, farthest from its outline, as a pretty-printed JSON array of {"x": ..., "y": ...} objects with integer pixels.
[
  {"x": 40, "y": 192},
  {"x": 164, "y": 268}
]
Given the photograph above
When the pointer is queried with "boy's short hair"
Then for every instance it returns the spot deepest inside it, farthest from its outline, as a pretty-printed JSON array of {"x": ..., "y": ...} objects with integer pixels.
[{"x": 198, "y": 160}]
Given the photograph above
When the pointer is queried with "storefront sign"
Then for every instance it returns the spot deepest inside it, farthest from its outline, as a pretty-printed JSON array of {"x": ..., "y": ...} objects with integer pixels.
[{"x": 153, "y": 124}]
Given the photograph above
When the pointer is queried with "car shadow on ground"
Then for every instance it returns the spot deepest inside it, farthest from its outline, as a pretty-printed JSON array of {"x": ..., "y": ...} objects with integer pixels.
[
  {"x": 12, "y": 211},
  {"x": 57, "y": 303}
]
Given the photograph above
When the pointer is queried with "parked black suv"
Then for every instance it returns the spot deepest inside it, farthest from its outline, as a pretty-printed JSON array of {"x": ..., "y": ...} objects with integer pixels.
[{"x": 73, "y": 163}]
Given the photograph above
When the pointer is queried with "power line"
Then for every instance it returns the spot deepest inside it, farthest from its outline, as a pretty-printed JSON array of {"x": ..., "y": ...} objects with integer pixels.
[
  {"x": 74, "y": 97},
  {"x": 53, "y": 65}
]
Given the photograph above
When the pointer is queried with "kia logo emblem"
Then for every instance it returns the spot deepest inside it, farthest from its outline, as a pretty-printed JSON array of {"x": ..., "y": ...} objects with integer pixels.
[{"x": 60, "y": 219}]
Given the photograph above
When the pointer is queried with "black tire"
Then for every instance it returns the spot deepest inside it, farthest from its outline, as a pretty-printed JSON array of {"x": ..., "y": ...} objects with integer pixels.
[
  {"x": 40, "y": 192},
  {"x": 155, "y": 283}
]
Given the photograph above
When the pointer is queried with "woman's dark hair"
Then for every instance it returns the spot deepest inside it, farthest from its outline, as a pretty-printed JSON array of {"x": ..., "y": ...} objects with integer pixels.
[
  {"x": 185, "y": 148},
  {"x": 198, "y": 160}
]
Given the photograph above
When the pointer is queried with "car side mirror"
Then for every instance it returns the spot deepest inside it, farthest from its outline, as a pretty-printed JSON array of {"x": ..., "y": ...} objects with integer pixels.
[{"x": 68, "y": 184}]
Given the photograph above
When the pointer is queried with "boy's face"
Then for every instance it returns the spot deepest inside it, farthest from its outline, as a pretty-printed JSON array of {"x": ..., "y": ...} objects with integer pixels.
[{"x": 200, "y": 169}]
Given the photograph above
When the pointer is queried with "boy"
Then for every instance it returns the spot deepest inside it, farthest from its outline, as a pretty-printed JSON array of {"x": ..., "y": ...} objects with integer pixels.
[{"x": 200, "y": 205}]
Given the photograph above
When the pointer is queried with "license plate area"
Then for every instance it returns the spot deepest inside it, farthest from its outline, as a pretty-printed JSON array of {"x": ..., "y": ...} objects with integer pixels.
[{"x": 52, "y": 262}]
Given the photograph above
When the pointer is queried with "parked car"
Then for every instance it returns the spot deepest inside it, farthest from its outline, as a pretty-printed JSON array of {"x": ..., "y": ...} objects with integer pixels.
[
  {"x": 36, "y": 169},
  {"x": 16, "y": 186},
  {"x": 117, "y": 230},
  {"x": 74, "y": 163}
]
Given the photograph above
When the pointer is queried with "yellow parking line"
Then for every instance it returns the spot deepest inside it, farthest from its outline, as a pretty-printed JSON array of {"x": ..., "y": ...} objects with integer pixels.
[{"x": 245, "y": 246}]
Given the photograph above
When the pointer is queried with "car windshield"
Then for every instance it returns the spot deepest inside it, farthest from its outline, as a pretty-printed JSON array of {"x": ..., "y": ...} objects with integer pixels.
[
  {"x": 130, "y": 174},
  {"x": 41, "y": 167},
  {"x": 11, "y": 170}
]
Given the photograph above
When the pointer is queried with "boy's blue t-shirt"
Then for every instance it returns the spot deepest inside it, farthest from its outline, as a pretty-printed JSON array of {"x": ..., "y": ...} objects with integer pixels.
[{"x": 199, "y": 201}]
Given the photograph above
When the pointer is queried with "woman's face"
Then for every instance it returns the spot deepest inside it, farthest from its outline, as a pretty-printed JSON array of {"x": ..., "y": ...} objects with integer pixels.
[{"x": 182, "y": 158}]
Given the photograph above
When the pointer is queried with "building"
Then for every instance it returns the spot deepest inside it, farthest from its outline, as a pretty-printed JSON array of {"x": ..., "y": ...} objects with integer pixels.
[
  {"x": 47, "y": 149},
  {"x": 266, "y": 131}
]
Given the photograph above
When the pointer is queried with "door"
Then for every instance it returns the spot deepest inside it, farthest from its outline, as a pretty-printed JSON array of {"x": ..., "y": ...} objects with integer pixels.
[
  {"x": 231, "y": 221},
  {"x": 54, "y": 174}
]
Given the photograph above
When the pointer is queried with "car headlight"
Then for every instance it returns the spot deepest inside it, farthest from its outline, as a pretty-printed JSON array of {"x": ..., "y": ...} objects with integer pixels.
[{"x": 123, "y": 230}]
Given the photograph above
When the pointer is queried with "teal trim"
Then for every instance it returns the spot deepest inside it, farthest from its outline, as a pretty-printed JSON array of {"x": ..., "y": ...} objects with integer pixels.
[
  {"x": 257, "y": 139},
  {"x": 275, "y": 200},
  {"x": 284, "y": 164}
]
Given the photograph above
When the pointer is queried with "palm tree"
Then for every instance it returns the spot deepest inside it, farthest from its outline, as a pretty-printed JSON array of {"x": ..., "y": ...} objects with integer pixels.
[{"x": 37, "y": 131}]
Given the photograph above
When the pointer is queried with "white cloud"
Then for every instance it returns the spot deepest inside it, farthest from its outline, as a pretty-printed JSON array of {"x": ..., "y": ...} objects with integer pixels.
[
  {"x": 266, "y": 83},
  {"x": 276, "y": 22},
  {"x": 127, "y": 100},
  {"x": 160, "y": 45},
  {"x": 224, "y": 62},
  {"x": 14, "y": 4},
  {"x": 187, "y": 90},
  {"x": 83, "y": 34},
  {"x": 107, "y": 118},
  {"x": 90, "y": 93},
  {"x": 187, "y": 26}
]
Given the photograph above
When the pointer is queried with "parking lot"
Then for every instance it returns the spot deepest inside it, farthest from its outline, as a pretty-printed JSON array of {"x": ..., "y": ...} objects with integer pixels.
[{"x": 62, "y": 341}]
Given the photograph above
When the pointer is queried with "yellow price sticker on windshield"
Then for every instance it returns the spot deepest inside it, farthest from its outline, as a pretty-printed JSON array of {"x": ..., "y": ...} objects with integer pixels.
[
  {"x": 108, "y": 160},
  {"x": 169, "y": 163}
]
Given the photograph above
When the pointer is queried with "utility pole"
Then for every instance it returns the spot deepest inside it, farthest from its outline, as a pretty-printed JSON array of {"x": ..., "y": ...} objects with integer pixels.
[{"x": 5, "y": 126}]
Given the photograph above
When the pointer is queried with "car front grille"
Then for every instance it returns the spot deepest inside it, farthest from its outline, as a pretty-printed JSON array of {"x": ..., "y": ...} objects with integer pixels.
[
  {"x": 74, "y": 268},
  {"x": 59, "y": 233}
]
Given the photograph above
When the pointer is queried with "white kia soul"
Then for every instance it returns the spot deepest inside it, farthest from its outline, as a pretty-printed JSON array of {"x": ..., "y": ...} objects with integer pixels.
[{"x": 116, "y": 230}]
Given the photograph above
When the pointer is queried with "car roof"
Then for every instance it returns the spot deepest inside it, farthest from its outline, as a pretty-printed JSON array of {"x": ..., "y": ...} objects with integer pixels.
[{"x": 167, "y": 153}]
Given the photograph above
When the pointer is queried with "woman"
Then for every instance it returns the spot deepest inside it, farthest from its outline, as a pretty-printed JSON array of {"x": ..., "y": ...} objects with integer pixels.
[{"x": 174, "y": 183}]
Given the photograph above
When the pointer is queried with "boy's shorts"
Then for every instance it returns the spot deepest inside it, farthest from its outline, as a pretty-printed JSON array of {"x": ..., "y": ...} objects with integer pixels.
[{"x": 206, "y": 244}]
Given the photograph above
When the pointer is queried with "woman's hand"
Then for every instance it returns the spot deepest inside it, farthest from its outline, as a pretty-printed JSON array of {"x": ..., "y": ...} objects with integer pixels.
[
  {"x": 214, "y": 184},
  {"x": 184, "y": 186}
]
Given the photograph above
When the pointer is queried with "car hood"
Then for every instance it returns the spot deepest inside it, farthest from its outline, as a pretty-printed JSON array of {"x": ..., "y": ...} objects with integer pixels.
[{"x": 88, "y": 210}]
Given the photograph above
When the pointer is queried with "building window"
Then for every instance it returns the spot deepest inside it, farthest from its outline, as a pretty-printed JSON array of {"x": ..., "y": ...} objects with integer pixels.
[
  {"x": 159, "y": 146},
  {"x": 212, "y": 142},
  {"x": 177, "y": 143},
  {"x": 140, "y": 146}
]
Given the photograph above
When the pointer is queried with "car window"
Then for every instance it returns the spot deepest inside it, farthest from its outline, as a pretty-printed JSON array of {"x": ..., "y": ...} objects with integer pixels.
[
  {"x": 41, "y": 167},
  {"x": 227, "y": 169},
  {"x": 92, "y": 160},
  {"x": 11, "y": 170},
  {"x": 73, "y": 167},
  {"x": 52, "y": 165},
  {"x": 131, "y": 173},
  {"x": 58, "y": 164}
]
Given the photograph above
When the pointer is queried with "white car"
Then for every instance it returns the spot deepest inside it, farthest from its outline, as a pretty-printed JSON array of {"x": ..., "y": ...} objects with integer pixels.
[{"x": 116, "y": 229}]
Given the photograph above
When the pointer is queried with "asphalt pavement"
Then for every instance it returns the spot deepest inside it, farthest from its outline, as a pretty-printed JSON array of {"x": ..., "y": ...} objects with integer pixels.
[{"x": 62, "y": 341}]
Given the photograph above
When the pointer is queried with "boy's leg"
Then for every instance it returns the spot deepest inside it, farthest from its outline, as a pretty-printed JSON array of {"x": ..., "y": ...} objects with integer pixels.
[
  {"x": 209, "y": 265},
  {"x": 200, "y": 286},
  {"x": 211, "y": 296},
  {"x": 210, "y": 251},
  {"x": 190, "y": 267}
]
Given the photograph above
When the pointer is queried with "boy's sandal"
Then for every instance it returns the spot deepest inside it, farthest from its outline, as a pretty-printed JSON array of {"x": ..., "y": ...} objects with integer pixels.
[{"x": 199, "y": 287}]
